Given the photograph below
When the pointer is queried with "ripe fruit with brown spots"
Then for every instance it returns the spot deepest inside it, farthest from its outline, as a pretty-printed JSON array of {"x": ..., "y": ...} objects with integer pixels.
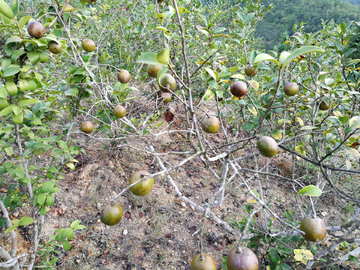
[
  {"x": 88, "y": 45},
  {"x": 244, "y": 260},
  {"x": 205, "y": 263},
  {"x": 211, "y": 124},
  {"x": 250, "y": 70},
  {"x": 87, "y": 127},
  {"x": 142, "y": 188},
  {"x": 123, "y": 76},
  {"x": 238, "y": 89},
  {"x": 167, "y": 81},
  {"x": 324, "y": 106},
  {"x": 36, "y": 29},
  {"x": 291, "y": 89},
  {"x": 54, "y": 47},
  {"x": 152, "y": 70},
  {"x": 267, "y": 146},
  {"x": 111, "y": 214},
  {"x": 314, "y": 229},
  {"x": 119, "y": 111}
]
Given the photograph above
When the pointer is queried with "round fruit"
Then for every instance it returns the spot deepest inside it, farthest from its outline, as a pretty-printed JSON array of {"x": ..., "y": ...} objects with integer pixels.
[
  {"x": 211, "y": 125},
  {"x": 314, "y": 229},
  {"x": 152, "y": 70},
  {"x": 124, "y": 76},
  {"x": 244, "y": 260},
  {"x": 87, "y": 127},
  {"x": 18, "y": 119},
  {"x": 291, "y": 89},
  {"x": 4, "y": 103},
  {"x": 36, "y": 29},
  {"x": 11, "y": 88},
  {"x": 88, "y": 45},
  {"x": 324, "y": 106},
  {"x": 142, "y": 188},
  {"x": 111, "y": 214},
  {"x": 166, "y": 97},
  {"x": 167, "y": 81},
  {"x": 54, "y": 47},
  {"x": 119, "y": 111},
  {"x": 267, "y": 146},
  {"x": 238, "y": 89},
  {"x": 206, "y": 263},
  {"x": 250, "y": 70}
]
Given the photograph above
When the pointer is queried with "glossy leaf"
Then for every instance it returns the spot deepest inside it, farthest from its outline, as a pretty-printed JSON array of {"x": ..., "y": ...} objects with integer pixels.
[
  {"x": 149, "y": 58},
  {"x": 301, "y": 51},
  {"x": 25, "y": 221},
  {"x": 5, "y": 10},
  {"x": 311, "y": 190},
  {"x": 265, "y": 57}
]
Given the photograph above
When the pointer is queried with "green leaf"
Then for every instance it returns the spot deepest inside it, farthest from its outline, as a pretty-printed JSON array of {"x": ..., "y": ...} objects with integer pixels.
[
  {"x": 354, "y": 122},
  {"x": 34, "y": 57},
  {"x": 163, "y": 29},
  {"x": 3, "y": 92},
  {"x": 15, "y": 6},
  {"x": 74, "y": 224},
  {"x": 17, "y": 110},
  {"x": 311, "y": 190},
  {"x": 66, "y": 245},
  {"x": 26, "y": 221},
  {"x": 41, "y": 198},
  {"x": 9, "y": 151},
  {"x": 47, "y": 186},
  {"x": 11, "y": 70},
  {"x": 6, "y": 10},
  {"x": 352, "y": 151},
  {"x": 212, "y": 74},
  {"x": 343, "y": 27},
  {"x": 209, "y": 94},
  {"x": 238, "y": 76},
  {"x": 54, "y": 190},
  {"x": 163, "y": 57},
  {"x": 50, "y": 200},
  {"x": 7, "y": 110},
  {"x": 276, "y": 134},
  {"x": 265, "y": 57},
  {"x": 149, "y": 58},
  {"x": 72, "y": 92},
  {"x": 70, "y": 165},
  {"x": 13, "y": 39},
  {"x": 183, "y": 10},
  {"x": 26, "y": 102},
  {"x": 301, "y": 51},
  {"x": 23, "y": 21},
  {"x": 43, "y": 211},
  {"x": 13, "y": 226}
]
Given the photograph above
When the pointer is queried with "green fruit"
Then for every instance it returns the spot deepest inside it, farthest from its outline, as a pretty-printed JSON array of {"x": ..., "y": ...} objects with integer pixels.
[
  {"x": 23, "y": 85},
  {"x": 142, "y": 188},
  {"x": 4, "y": 103},
  {"x": 211, "y": 125},
  {"x": 54, "y": 47},
  {"x": 11, "y": 88},
  {"x": 87, "y": 127},
  {"x": 324, "y": 106},
  {"x": 244, "y": 260},
  {"x": 314, "y": 229},
  {"x": 88, "y": 45},
  {"x": 111, "y": 214},
  {"x": 36, "y": 29},
  {"x": 166, "y": 97},
  {"x": 267, "y": 146},
  {"x": 152, "y": 70},
  {"x": 206, "y": 263},
  {"x": 124, "y": 76},
  {"x": 238, "y": 89},
  {"x": 119, "y": 111},
  {"x": 18, "y": 119},
  {"x": 44, "y": 57},
  {"x": 250, "y": 70},
  {"x": 167, "y": 81},
  {"x": 291, "y": 89}
]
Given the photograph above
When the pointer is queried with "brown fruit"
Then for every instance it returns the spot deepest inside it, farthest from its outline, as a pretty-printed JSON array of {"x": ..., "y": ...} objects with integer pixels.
[
  {"x": 250, "y": 70},
  {"x": 88, "y": 45},
  {"x": 206, "y": 263},
  {"x": 238, "y": 89},
  {"x": 119, "y": 111},
  {"x": 314, "y": 229},
  {"x": 111, "y": 214},
  {"x": 267, "y": 146},
  {"x": 245, "y": 260},
  {"x": 152, "y": 70},
  {"x": 169, "y": 114},
  {"x": 291, "y": 89},
  {"x": 324, "y": 106},
  {"x": 142, "y": 188},
  {"x": 211, "y": 125},
  {"x": 36, "y": 29},
  {"x": 87, "y": 127},
  {"x": 124, "y": 76},
  {"x": 166, "y": 97},
  {"x": 167, "y": 81},
  {"x": 54, "y": 47}
]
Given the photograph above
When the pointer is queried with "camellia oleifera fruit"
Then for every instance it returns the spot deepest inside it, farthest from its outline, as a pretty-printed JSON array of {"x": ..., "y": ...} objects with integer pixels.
[
  {"x": 205, "y": 263},
  {"x": 88, "y": 45},
  {"x": 243, "y": 260},
  {"x": 36, "y": 29},
  {"x": 166, "y": 97},
  {"x": 167, "y": 82},
  {"x": 291, "y": 89},
  {"x": 324, "y": 106},
  {"x": 250, "y": 70},
  {"x": 211, "y": 124},
  {"x": 123, "y": 76},
  {"x": 314, "y": 229},
  {"x": 144, "y": 187},
  {"x": 153, "y": 70},
  {"x": 119, "y": 111},
  {"x": 267, "y": 146},
  {"x": 87, "y": 127},
  {"x": 54, "y": 47},
  {"x": 238, "y": 89},
  {"x": 111, "y": 214}
]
